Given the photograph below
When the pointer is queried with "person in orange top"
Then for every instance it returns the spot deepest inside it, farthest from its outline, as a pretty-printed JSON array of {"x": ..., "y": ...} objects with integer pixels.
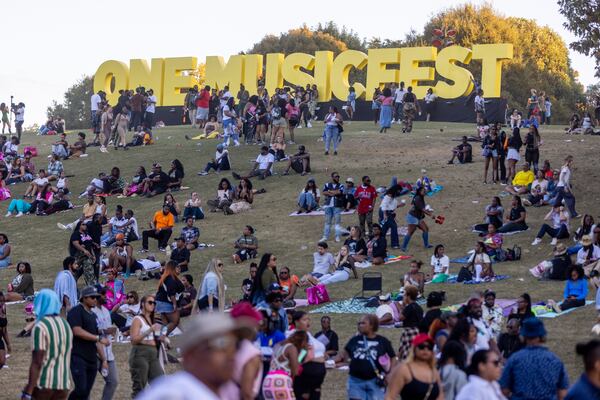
[
  {"x": 288, "y": 282},
  {"x": 161, "y": 229}
]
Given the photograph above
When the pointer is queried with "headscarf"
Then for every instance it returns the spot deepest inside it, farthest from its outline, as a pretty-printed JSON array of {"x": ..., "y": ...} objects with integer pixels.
[{"x": 46, "y": 303}]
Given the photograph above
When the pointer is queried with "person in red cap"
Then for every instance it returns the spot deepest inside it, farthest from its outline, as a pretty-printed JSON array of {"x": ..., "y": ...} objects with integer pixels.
[
  {"x": 248, "y": 366},
  {"x": 418, "y": 378}
]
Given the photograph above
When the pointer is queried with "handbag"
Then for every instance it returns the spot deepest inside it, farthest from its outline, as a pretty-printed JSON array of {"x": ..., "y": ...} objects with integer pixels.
[
  {"x": 340, "y": 128},
  {"x": 317, "y": 294},
  {"x": 31, "y": 149},
  {"x": 379, "y": 376},
  {"x": 464, "y": 274}
]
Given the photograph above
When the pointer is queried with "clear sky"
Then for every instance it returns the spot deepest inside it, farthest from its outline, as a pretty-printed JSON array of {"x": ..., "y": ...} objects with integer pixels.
[{"x": 48, "y": 45}]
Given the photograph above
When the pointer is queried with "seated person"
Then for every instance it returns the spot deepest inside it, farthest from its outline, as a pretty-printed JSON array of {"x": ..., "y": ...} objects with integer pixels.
[
  {"x": 480, "y": 264},
  {"x": 522, "y": 181},
  {"x": 425, "y": 182},
  {"x": 96, "y": 186},
  {"x": 186, "y": 300},
  {"x": 16, "y": 173},
  {"x": 156, "y": 183},
  {"x": 328, "y": 337},
  {"x": 440, "y": 262},
  {"x": 115, "y": 293},
  {"x": 349, "y": 199},
  {"x": 120, "y": 258},
  {"x": 414, "y": 277},
  {"x": 299, "y": 162},
  {"x": 539, "y": 189},
  {"x": 170, "y": 201},
  {"x": 463, "y": 152},
  {"x": 122, "y": 314},
  {"x": 219, "y": 163},
  {"x": 246, "y": 245},
  {"x": 88, "y": 211},
  {"x": 242, "y": 199},
  {"x": 309, "y": 197},
  {"x": 341, "y": 270},
  {"x": 576, "y": 290},
  {"x": 210, "y": 131},
  {"x": 21, "y": 287},
  {"x": 131, "y": 233},
  {"x": 61, "y": 203},
  {"x": 559, "y": 229},
  {"x": 494, "y": 214},
  {"x": 161, "y": 229},
  {"x": 322, "y": 261},
  {"x": 509, "y": 342},
  {"x": 493, "y": 244},
  {"x": 60, "y": 148},
  {"x": 248, "y": 283},
  {"x": 515, "y": 222},
  {"x": 77, "y": 149},
  {"x": 555, "y": 269},
  {"x": 587, "y": 228},
  {"x": 176, "y": 175},
  {"x": 116, "y": 225},
  {"x": 29, "y": 167},
  {"x": 288, "y": 282},
  {"x": 55, "y": 168},
  {"x": 37, "y": 184},
  {"x": 191, "y": 234},
  {"x": 181, "y": 255},
  {"x": 278, "y": 149},
  {"x": 357, "y": 247},
  {"x": 43, "y": 200},
  {"x": 135, "y": 187},
  {"x": 551, "y": 189},
  {"x": 263, "y": 166},
  {"x": 377, "y": 247},
  {"x": 115, "y": 184},
  {"x": 388, "y": 312},
  {"x": 193, "y": 207},
  {"x": 589, "y": 255}
]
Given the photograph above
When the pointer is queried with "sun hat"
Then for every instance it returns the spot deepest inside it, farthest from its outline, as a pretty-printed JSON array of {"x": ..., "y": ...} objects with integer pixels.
[
  {"x": 586, "y": 240},
  {"x": 205, "y": 326},
  {"x": 532, "y": 327},
  {"x": 422, "y": 338}
]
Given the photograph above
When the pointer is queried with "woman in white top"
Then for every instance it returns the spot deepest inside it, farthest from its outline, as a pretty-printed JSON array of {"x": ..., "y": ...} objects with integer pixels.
[
  {"x": 230, "y": 123},
  {"x": 212, "y": 289},
  {"x": 559, "y": 229},
  {"x": 341, "y": 269},
  {"x": 563, "y": 187},
  {"x": 333, "y": 121},
  {"x": 278, "y": 384},
  {"x": 480, "y": 263},
  {"x": 484, "y": 373},
  {"x": 144, "y": 363},
  {"x": 388, "y": 207},
  {"x": 440, "y": 263}
]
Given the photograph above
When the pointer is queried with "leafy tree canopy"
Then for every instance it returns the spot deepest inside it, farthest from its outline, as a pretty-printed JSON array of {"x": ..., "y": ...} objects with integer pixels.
[{"x": 75, "y": 108}]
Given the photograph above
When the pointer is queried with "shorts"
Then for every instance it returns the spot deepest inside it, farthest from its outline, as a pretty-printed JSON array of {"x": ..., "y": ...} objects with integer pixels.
[
  {"x": 227, "y": 122},
  {"x": 163, "y": 307},
  {"x": 202, "y": 113},
  {"x": 513, "y": 155},
  {"x": 244, "y": 254},
  {"x": 280, "y": 122},
  {"x": 293, "y": 122},
  {"x": 412, "y": 220}
]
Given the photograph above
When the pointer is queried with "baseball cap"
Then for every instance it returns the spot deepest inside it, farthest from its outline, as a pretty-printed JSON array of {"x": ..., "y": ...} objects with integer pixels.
[
  {"x": 89, "y": 291},
  {"x": 205, "y": 326}
]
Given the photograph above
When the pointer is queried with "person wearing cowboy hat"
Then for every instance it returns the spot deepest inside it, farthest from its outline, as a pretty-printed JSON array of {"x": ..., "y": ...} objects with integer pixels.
[
  {"x": 560, "y": 264},
  {"x": 534, "y": 372},
  {"x": 209, "y": 337},
  {"x": 588, "y": 255}
]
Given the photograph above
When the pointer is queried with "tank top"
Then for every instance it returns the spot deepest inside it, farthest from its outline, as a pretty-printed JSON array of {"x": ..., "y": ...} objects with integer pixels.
[
  {"x": 60, "y": 184},
  {"x": 276, "y": 364},
  {"x": 418, "y": 390},
  {"x": 149, "y": 336}
]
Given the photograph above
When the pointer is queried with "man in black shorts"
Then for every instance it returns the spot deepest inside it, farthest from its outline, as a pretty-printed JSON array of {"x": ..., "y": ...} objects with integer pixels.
[
  {"x": 463, "y": 152},
  {"x": 299, "y": 162}
]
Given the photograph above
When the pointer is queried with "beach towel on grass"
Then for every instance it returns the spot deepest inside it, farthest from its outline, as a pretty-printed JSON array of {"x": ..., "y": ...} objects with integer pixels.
[
  {"x": 540, "y": 310},
  {"x": 435, "y": 190},
  {"x": 465, "y": 260},
  {"x": 473, "y": 282},
  {"x": 388, "y": 260},
  {"x": 350, "y": 306},
  {"x": 318, "y": 213},
  {"x": 506, "y": 304}
]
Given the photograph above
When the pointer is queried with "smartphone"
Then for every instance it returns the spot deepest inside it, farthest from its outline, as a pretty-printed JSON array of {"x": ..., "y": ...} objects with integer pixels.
[{"x": 302, "y": 354}]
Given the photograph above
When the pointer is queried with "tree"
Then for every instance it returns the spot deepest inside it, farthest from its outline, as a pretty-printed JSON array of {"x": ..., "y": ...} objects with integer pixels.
[
  {"x": 583, "y": 20},
  {"x": 75, "y": 108},
  {"x": 299, "y": 40}
]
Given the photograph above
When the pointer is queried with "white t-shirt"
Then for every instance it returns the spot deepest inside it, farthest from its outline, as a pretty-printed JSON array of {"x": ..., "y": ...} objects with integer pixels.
[
  {"x": 134, "y": 226},
  {"x": 384, "y": 309},
  {"x": 399, "y": 95},
  {"x": 20, "y": 114},
  {"x": 440, "y": 265},
  {"x": 40, "y": 181},
  {"x": 149, "y": 265},
  {"x": 178, "y": 386},
  {"x": 118, "y": 223},
  {"x": 151, "y": 104},
  {"x": 224, "y": 97},
  {"x": 564, "y": 177},
  {"x": 310, "y": 191},
  {"x": 95, "y": 100},
  {"x": 479, "y": 103},
  {"x": 226, "y": 117},
  {"x": 129, "y": 311},
  {"x": 263, "y": 161},
  {"x": 484, "y": 334},
  {"x": 539, "y": 186},
  {"x": 389, "y": 203},
  {"x": 322, "y": 262},
  {"x": 104, "y": 322},
  {"x": 582, "y": 254}
]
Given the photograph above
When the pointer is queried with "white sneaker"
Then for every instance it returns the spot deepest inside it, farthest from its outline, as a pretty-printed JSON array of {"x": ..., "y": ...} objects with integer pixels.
[
  {"x": 62, "y": 226},
  {"x": 19, "y": 214},
  {"x": 8, "y": 214},
  {"x": 309, "y": 125},
  {"x": 337, "y": 239},
  {"x": 323, "y": 239},
  {"x": 299, "y": 127},
  {"x": 536, "y": 241},
  {"x": 202, "y": 173},
  {"x": 554, "y": 241}
]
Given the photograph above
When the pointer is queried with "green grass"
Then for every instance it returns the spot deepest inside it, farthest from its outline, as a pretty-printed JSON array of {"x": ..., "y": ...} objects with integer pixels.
[{"x": 362, "y": 151}]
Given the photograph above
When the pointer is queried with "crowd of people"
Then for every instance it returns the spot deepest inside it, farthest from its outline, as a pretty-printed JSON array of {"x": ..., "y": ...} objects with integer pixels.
[{"x": 263, "y": 347}]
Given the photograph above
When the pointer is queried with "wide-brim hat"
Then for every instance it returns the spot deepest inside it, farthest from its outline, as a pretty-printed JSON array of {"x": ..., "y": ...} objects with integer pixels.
[
  {"x": 532, "y": 327},
  {"x": 586, "y": 240}
]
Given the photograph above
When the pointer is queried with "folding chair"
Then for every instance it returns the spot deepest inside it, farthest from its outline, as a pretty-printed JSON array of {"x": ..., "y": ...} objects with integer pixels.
[{"x": 371, "y": 282}]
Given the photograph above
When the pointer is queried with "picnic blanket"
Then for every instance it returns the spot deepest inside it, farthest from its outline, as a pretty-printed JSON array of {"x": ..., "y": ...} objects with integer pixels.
[
  {"x": 350, "y": 306},
  {"x": 452, "y": 279},
  {"x": 436, "y": 189},
  {"x": 388, "y": 260},
  {"x": 541, "y": 311},
  {"x": 506, "y": 304},
  {"x": 318, "y": 212},
  {"x": 465, "y": 260}
]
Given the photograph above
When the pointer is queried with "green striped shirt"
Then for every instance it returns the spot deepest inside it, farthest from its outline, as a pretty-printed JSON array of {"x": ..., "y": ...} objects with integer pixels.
[{"x": 54, "y": 336}]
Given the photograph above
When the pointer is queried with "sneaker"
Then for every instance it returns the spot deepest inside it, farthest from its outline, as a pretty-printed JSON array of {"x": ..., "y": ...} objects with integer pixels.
[
  {"x": 335, "y": 153},
  {"x": 162, "y": 249},
  {"x": 19, "y": 214},
  {"x": 299, "y": 127},
  {"x": 326, "y": 153},
  {"x": 202, "y": 173},
  {"x": 142, "y": 251},
  {"x": 337, "y": 239},
  {"x": 309, "y": 125},
  {"x": 527, "y": 202},
  {"x": 536, "y": 241},
  {"x": 60, "y": 226},
  {"x": 291, "y": 142},
  {"x": 554, "y": 241},
  {"x": 83, "y": 155},
  {"x": 323, "y": 239},
  {"x": 236, "y": 175},
  {"x": 8, "y": 214}
]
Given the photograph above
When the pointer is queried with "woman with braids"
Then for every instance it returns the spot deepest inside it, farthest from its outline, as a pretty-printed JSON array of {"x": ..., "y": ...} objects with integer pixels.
[
  {"x": 265, "y": 276},
  {"x": 169, "y": 290}
]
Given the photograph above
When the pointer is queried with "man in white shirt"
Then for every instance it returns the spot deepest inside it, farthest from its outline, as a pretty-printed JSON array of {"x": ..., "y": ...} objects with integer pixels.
[
  {"x": 106, "y": 329},
  {"x": 19, "y": 119},
  {"x": 322, "y": 260},
  {"x": 209, "y": 337},
  {"x": 150, "y": 109},
  {"x": 95, "y": 101},
  {"x": 563, "y": 188},
  {"x": 263, "y": 166},
  {"x": 485, "y": 337},
  {"x": 398, "y": 103}
]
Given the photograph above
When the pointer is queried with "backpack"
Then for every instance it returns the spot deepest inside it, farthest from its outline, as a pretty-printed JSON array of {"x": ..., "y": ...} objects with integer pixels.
[
  {"x": 276, "y": 112},
  {"x": 513, "y": 254},
  {"x": 464, "y": 275}
]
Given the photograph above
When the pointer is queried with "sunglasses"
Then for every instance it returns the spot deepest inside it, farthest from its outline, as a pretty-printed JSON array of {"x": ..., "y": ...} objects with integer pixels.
[
  {"x": 220, "y": 265},
  {"x": 424, "y": 346},
  {"x": 337, "y": 177},
  {"x": 496, "y": 362},
  {"x": 130, "y": 296},
  {"x": 152, "y": 303}
]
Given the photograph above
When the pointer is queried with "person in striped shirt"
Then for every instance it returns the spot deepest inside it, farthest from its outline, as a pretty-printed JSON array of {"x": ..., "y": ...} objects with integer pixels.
[{"x": 52, "y": 340}]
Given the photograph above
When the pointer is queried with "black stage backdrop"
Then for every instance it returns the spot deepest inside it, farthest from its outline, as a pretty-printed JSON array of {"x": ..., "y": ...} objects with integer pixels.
[{"x": 455, "y": 110}]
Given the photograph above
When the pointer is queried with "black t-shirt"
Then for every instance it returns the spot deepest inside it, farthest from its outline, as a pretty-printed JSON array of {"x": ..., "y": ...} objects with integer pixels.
[
  {"x": 418, "y": 205},
  {"x": 356, "y": 245},
  {"x": 379, "y": 247},
  {"x": 181, "y": 255},
  {"x": 95, "y": 231},
  {"x": 467, "y": 156},
  {"x": 560, "y": 265},
  {"x": 83, "y": 238},
  {"x": 175, "y": 175},
  {"x": 247, "y": 284},
  {"x": 428, "y": 319},
  {"x": 360, "y": 353},
  {"x": 515, "y": 213},
  {"x": 333, "y": 344},
  {"x": 78, "y": 316},
  {"x": 413, "y": 314},
  {"x": 162, "y": 182},
  {"x": 170, "y": 287},
  {"x": 508, "y": 344}
]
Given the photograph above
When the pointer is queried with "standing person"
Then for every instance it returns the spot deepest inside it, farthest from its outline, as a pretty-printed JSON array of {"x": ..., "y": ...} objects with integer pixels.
[
  {"x": 211, "y": 294},
  {"x": 398, "y": 103},
  {"x": 144, "y": 363},
  {"x": 136, "y": 104},
  {"x": 366, "y": 195},
  {"x": 490, "y": 146},
  {"x": 19, "y": 119},
  {"x": 81, "y": 246},
  {"x": 170, "y": 289},
  {"x": 278, "y": 118},
  {"x": 534, "y": 372},
  {"x": 410, "y": 108},
  {"x": 376, "y": 104},
  {"x": 513, "y": 156},
  {"x": 388, "y": 207},
  {"x": 385, "y": 114},
  {"x": 284, "y": 367},
  {"x": 242, "y": 97},
  {"x": 418, "y": 378},
  {"x": 452, "y": 369},
  {"x": 150, "y": 109},
  {"x": 106, "y": 123},
  {"x": 293, "y": 118},
  {"x": 492, "y": 313},
  {"x": 333, "y": 204},
  {"x": 588, "y": 384},
  {"x": 230, "y": 117},
  {"x": 121, "y": 125},
  {"x": 108, "y": 331},
  {"x": 564, "y": 188},
  {"x": 5, "y": 118},
  {"x": 333, "y": 122},
  {"x": 533, "y": 142},
  {"x": 189, "y": 104},
  {"x": 52, "y": 341},
  {"x": 548, "y": 113},
  {"x": 202, "y": 104},
  {"x": 65, "y": 285},
  {"x": 429, "y": 101},
  {"x": 88, "y": 345},
  {"x": 210, "y": 338},
  {"x": 479, "y": 107},
  {"x": 416, "y": 219},
  {"x": 502, "y": 149},
  {"x": 350, "y": 106},
  {"x": 484, "y": 372},
  {"x": 371, "y": 356}
]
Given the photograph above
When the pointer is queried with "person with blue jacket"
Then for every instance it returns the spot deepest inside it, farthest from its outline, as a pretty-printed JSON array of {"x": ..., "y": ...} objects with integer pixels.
[{"x": 576, "y": 289}]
